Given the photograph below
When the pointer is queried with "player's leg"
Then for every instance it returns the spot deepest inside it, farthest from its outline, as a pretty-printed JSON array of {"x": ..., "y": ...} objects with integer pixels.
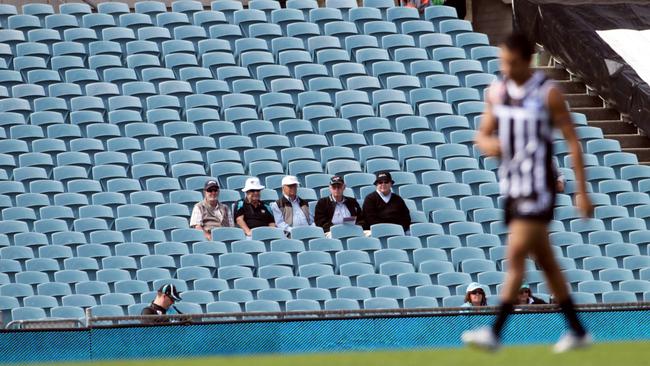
[
  {"x": 545, "y": 258},
  {"x": 524, "y": 234},
  {"x": 519, "y": 242}
]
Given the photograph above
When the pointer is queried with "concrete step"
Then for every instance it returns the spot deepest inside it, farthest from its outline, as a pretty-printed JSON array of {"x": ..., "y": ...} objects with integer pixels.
[
  {"x": 643, "y": 154},
  {"x": 598, "y": 113},
  {"x": 583, "y": 100},
  {"x": 554, "y": 72},
  {"x": 631, "y": 141},
  {"x": 572, "y": 87},
  {"x": 614, "y": 127}
]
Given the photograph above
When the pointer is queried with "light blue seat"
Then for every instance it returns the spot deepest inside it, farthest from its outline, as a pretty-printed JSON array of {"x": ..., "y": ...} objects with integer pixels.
[
  {"x": 27, "y": 313},
  {"x": 614, "y": 297},
  {"x": 67, "y": 312},
  {"x": 437, "y": 292},
  {"x": 227, "y": 235},
  {"x": 583, "y": 298},
  {"x": 615, "y": 276},
  {"x": 598, "y": 288},
  {"x": 303, "y": 305},
  {"x": 342, "y": 304},
  {"x": 381, "y": 303},
  {"x": 596, "y": 264},
  {"x": 636, "y": 263},
  {"x": 453, "y": 279},
  {"x": 236, "y": 296},
  {"x": 223, "y": 307},
  {"x": 620, "y": 251}
]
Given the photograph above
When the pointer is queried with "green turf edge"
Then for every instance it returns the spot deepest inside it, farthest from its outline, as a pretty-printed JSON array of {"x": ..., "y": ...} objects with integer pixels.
[{"x": 606, "y": 354}]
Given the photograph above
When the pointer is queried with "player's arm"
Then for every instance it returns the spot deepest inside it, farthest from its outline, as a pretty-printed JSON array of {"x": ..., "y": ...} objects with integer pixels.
[
  {"x": 486, "y": 139},
  {"x": 562, "y": 120}
]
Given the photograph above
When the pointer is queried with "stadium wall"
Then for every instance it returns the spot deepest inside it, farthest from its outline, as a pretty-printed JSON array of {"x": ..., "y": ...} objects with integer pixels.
[{"x": 304, "y": 336}]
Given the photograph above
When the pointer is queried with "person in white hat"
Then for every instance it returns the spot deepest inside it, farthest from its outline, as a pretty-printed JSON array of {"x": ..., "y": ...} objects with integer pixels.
[
  {"x": 290, "y": 210},
  {"x": 251, "y": 212},
  {"x": 475, "y": 296}
]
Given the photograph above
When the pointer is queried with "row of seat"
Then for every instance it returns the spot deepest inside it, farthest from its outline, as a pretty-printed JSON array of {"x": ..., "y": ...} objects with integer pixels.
[{"x": 47, "y": 308}]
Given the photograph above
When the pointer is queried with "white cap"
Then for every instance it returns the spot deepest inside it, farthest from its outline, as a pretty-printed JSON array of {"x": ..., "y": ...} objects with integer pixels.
[
  {"x": 252, "y": 183},
  {"x": 289, "y": 180},
  {"x": 473, "y": 286}
]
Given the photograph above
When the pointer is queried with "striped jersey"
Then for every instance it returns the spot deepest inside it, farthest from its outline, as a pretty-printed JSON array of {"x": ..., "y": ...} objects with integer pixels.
[{"x": 525, "y": 133}]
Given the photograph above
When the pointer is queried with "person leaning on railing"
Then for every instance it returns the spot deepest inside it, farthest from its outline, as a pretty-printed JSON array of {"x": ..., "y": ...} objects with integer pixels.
[{"x": 165, "y": 298}]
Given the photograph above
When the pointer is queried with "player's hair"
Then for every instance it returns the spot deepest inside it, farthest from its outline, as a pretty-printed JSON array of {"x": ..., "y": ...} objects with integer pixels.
[{"x": 519, "y": 43}]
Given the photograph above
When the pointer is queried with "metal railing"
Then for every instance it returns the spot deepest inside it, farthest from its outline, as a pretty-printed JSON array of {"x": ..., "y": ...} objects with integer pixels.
[
  {"x": 346, "y": 314},
  {"x": 90, "y": 321}
]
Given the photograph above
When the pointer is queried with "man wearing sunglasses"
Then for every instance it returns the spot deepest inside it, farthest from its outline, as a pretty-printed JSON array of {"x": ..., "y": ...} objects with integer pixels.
[
  {"x": 337, "y": 209},
  {"x": 210, "y": 213},
  {"x": 251, "y": 212},
  {"x": 385, "y": 207}
]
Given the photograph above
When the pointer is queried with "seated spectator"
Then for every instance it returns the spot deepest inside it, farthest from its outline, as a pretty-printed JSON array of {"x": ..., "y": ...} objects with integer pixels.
[
  {"x": 526, "y": 296},
  {"x": 475, "y": 296},
  {"x": 165, "y": 298},
  {"x": 251, "y": 212},
  {"x": 290, "y": 210},
  {"x": 337, "y": 209},
  {"x": 210, "y": 213},
  {"x": 385, "y": 207}
]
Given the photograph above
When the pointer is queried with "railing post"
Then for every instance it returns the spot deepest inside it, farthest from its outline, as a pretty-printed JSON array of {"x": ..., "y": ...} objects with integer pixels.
[{"x": 89, "y": 314}]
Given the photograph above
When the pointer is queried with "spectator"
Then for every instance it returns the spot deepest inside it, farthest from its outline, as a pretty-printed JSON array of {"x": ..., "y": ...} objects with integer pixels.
[
  {"x": 251, "y": 212},
  {"x": 290, "y": 210},
  {"x": 165, "y": 298},
  {"x": 526, "y": 296},
  {"x": 385, "y": 207},
  {"x": 337, "y": 209},
  {"x": 210, "y": 213},
  {"x": 475, "y": 296}
]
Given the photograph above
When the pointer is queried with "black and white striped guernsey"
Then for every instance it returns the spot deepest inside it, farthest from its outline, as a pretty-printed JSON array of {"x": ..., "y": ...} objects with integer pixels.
[{"x": 525, "y": 131}]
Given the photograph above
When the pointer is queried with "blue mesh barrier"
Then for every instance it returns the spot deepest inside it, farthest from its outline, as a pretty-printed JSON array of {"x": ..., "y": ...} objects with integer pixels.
[{"x": 330, "y": 335}]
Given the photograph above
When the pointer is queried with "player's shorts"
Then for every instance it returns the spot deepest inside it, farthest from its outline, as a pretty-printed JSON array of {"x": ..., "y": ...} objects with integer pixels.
[{"x": 528, "y": 209}]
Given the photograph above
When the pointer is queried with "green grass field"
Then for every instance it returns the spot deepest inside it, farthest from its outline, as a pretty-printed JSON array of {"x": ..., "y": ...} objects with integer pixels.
[{"x": 610, "y": 354}]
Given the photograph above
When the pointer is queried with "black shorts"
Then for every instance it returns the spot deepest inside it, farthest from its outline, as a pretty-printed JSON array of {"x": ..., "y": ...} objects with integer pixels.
[{"x": 514, "y": 209}]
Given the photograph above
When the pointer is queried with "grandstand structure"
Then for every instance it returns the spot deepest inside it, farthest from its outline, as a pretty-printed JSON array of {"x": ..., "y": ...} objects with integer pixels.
[{"x": 111, "y": 121}]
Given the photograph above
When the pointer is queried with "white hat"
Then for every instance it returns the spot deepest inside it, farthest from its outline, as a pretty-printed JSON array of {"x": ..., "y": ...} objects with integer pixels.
[
  {"x": 252, "y": 183},
  {"x": 289, "y": 180},
  {"x": 473, "y": 286}
]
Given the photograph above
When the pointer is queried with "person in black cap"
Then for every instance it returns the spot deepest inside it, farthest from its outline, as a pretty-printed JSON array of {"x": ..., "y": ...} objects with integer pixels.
[
  {"x": 337, "y": 209},
  {"x": 385, "y": 207},
  {"x": 166, "y": 297},
  {"x": 210, "y": 213}
]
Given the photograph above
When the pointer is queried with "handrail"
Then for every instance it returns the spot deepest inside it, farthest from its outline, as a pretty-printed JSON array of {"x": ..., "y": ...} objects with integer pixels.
[
  {"x": 46, "y": 324},
  {"x": 90, "y": 321},
  {"x": 347, "y": 314}
]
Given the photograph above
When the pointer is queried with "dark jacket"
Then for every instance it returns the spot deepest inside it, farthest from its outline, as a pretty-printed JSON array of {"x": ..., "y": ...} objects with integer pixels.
[
  {"x": 377, "y": 211},
  {"x": 325, "y": 211},
  {"x": 154, "y": 309},
  {"x": 536, "y": 300}
]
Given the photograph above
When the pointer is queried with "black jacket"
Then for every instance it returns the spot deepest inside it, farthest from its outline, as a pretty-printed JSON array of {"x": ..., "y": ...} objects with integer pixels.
[
  {"x": 154, "y": 309},
  {"x": 379, "y": 212},
  {"x": 537, "y": 300},
  {"x": 325, "y": 211}
]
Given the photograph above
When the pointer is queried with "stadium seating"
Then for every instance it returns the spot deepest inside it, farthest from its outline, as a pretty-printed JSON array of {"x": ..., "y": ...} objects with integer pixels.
[{"x": 106, "y": 144}]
